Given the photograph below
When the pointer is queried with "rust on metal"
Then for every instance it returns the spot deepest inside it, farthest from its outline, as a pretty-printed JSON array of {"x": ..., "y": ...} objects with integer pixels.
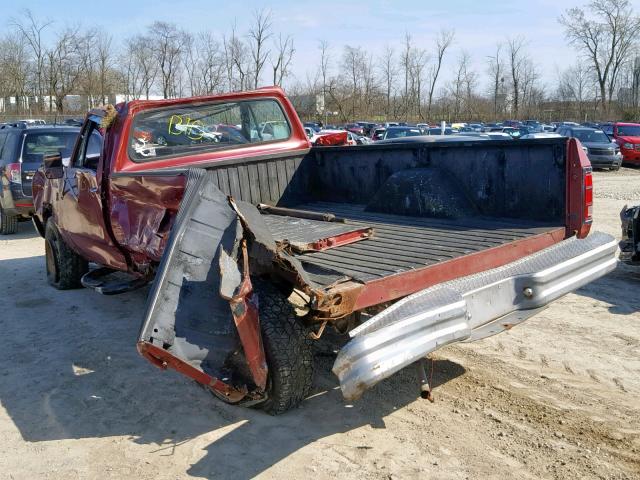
[
  {"x": 246, "y": 319},
  {"x": 332, "y": 242},
  {"x": 163, "y": 359},
  {"x": 318, "y": 334}
]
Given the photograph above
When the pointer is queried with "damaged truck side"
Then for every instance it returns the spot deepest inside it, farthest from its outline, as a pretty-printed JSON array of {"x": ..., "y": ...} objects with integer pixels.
[{"x": 255, "y": 242}]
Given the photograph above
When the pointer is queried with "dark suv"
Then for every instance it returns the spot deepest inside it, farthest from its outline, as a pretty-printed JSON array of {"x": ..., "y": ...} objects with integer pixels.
[
  {"x": 22, "y": 149},
  {"x": 601, "y": 151}
]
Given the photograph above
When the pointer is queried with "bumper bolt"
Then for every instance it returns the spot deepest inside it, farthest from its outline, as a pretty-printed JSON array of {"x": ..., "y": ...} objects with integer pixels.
[{"x": 528, "y": 292}]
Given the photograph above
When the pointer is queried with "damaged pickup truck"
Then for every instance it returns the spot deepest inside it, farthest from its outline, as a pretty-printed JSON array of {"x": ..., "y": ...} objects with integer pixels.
[{"x": 256, "y": 243}]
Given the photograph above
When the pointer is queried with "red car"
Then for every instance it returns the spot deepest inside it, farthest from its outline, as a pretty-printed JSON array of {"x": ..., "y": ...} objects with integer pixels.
[
  {"x": 354, "y": 128},
  {"x": 627, "y": 136},
  {"x": 404, "y": 246}
]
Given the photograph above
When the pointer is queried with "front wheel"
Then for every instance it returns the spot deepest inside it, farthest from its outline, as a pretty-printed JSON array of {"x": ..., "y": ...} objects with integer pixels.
[
  {"x": 8, "y": 223},
  {"x": 288, "y": 350},
  {"x": 65, "y": 267}
]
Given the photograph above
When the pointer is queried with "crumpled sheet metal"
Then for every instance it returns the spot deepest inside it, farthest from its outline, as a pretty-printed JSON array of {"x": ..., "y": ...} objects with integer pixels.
[
  {"x": 464, "y": 309},
  {"x": 236, "y": 287}
]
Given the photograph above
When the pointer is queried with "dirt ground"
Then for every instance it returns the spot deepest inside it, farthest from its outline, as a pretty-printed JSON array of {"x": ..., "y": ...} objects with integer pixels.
[{"x": 557, "y": 397}]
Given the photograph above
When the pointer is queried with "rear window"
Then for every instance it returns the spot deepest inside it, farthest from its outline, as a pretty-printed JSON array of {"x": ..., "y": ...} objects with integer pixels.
[
  {"x": 587, "y": 136},
  {"x": 192, "y": 129},
  {"x": 629, "y": 130},
  {"x": 400, "y": 133},
  {"x": 39, "y": 144},
  {"x": 8, "y": 144}
]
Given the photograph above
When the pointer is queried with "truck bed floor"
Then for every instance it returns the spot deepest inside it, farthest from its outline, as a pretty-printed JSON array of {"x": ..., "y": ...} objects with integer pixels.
[{"x": 402, "y": 243}]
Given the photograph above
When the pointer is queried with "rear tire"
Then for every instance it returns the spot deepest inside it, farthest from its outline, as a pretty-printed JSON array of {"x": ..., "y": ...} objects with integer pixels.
[
  {"x": 288, "y": 350},
  {"x": 8, "y": 223},
  {"x": 65, "y": 267},
  {"x": 615, "y": 169}
]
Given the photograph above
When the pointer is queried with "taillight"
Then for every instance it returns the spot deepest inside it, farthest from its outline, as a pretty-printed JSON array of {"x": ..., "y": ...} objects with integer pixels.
[
  {"x": 587, "y": 195},
  {"x": 13, "y": 172}
]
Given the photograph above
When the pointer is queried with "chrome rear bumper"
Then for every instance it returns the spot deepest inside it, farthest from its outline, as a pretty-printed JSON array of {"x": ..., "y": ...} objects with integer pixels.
[{"x": 468, "y": 309}]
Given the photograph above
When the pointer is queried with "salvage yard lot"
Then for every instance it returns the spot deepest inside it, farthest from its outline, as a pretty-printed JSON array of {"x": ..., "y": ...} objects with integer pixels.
[{"x": 558, "y": 397}]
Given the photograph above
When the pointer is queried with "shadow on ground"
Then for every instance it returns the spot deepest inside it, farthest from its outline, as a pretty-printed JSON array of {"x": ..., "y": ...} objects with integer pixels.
[
  {"x": 71, "y": 371},
  {"x": 618, "y": 289}
]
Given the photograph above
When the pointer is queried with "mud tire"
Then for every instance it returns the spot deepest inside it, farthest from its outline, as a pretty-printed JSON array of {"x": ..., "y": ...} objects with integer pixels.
[
  {"x": 64, "y": 267},
  {"x": 8, "y": 223},
  {"x": 288, "y": 350}
]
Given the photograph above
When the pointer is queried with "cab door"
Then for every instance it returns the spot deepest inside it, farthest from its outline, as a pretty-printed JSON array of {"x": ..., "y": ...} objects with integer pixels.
[{"x": 79, "y": 210}]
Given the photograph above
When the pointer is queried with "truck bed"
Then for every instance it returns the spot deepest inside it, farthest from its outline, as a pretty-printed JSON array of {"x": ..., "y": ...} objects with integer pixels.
[{"x": 403, "y": 243}]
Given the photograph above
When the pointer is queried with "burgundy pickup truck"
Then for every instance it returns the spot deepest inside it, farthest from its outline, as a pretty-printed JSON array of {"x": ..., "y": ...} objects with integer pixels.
[{"x": 255, "y": 242}]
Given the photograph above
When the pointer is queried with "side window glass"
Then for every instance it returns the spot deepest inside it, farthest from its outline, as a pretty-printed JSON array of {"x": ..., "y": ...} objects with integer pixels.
[
  {"x": 90, "y": 147},
  {"x": 3, "y": 140}
]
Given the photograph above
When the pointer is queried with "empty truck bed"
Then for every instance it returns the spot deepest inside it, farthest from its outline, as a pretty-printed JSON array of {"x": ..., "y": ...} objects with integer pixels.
[{"x": 401, "y": 243}]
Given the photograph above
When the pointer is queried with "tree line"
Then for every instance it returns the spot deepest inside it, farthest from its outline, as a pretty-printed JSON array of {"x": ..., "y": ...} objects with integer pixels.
[{"x": 406, "y": 81}]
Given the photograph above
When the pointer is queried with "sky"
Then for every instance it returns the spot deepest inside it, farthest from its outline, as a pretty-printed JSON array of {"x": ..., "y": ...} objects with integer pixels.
[{"x": 371, "y": 24}]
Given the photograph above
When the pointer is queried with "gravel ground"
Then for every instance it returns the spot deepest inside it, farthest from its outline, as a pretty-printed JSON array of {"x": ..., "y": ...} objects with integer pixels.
[{"x": 557, "y": 397}]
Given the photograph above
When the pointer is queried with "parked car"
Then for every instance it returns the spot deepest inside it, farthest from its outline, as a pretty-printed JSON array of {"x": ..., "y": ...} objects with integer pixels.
[
  {"x": 511, "y": 131},
  {"x": 22, "y": 150},
  {"x": 416, "y": 233},
  {"x": 399, "y": 132},
  {"x": 607, "y": 128},
  {"x": 367, "y": 128},
  {"x": 316, "y": 127},
  {"x": 530, "y": 136},
  {"x": 601, "y": 151},
  {"x": 354, "y": 128},
  {"x": 33, "y": 121},
  {"x": 438, "y": 131},
  {"x": 73, "y": 122},
  {"x": 378, "y": 133},
  {"x": 627, "y": 136}
]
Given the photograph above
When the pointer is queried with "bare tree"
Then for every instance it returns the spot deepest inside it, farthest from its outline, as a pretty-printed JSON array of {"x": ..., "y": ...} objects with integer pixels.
[
  {"x": 168, "y": 47},
  {"x": 14, "y": 69},
  {"x": 259, "y": 34},
  {"x": 387, "y": 65},
  {"x": 516, "y": 59},
  {"x": 281, "y": 60},
  {"x": 235, "y": 57},
  {"x": 65, "y": 66},
  {"x": 211, "y": 63},
  {"x": 463, "y": 87},
  {"x": 105, "y": 60},
  {"x": 324, "y": 72},
  {"x": 32, "y": 31},
  {"x": 605, "y": 38},
  {"x": 575, "y": 85},
  {"x": 443, "y": 42},
  {"x": 496, "y": 71},
  {"x": 142, "y": 67}
]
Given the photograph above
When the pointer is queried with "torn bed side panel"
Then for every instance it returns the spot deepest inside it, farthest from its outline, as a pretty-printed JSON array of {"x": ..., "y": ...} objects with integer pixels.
[{"x": 188, "y": 325}]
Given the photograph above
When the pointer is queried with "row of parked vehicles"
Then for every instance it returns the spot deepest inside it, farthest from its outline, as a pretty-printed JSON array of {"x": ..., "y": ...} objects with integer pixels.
[
  {"x": 608, "y": 145},
  {"x": 403, "y": 246}
]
